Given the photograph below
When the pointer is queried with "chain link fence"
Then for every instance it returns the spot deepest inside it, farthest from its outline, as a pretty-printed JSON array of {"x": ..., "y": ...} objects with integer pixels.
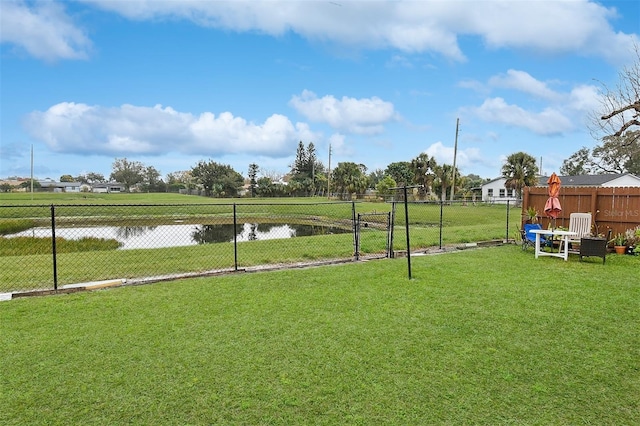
[
  {"x": 437, "y": 224},
  {"x": 49, "y": 247}
]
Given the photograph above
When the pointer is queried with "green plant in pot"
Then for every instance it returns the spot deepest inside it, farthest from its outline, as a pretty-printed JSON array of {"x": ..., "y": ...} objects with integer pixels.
[
  {"x": 619, "y": 243},
  {"x": 532, "y": 214},
  {"x": 633, "y": 240}
]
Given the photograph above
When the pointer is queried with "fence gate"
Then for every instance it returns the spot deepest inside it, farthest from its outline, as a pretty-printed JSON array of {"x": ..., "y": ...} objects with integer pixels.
[{"x": 373, "y": 235}]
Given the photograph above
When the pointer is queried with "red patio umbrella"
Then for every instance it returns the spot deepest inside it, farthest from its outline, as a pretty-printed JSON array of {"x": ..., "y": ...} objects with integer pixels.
[{"x": 552, "y": 207}]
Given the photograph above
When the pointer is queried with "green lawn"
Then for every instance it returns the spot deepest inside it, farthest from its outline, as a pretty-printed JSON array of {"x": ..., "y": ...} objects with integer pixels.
[{"x": 487, "y": 336}]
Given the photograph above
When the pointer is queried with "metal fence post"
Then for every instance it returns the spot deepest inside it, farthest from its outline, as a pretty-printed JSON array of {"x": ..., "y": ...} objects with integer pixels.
[
  {"x": 354, "y": 227},
  {"x": 389, "y": 236},
  {"x": 235, "y": 239},
  {"x": 53, "y": 247},
  {"x": 393, "y": 223},
  {"x": 506, "y": 239},
  {"x": 406, "y": 225},
  {"x": 441, "y": 221},
  {"x": 357, "y": 237}
]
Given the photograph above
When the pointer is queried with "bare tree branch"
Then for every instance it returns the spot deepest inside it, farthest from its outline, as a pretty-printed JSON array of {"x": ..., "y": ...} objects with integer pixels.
[
  {"x": 619, "y": 112},
  {"x": 635, "y": 106}
]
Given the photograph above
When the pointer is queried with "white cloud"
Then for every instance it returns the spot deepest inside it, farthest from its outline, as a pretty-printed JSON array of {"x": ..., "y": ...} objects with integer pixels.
[
  {"x": 399, "y": 61},
  {"x": 584, "y": 98},
  {"x": 464, "y": 158},
  {"x": 549, "y": 121},
  {"x": 524, "y": 82},
  {"x": 339, "y": 147},
  {"x": 580, "y": 26},
  {"x": 44, "y": 30},
  {"x": 82, "y": 129},
  {"x": 361, "y": 116},
  {"x": 563, "y": 113},
  {"x": 474, "y": 85}
]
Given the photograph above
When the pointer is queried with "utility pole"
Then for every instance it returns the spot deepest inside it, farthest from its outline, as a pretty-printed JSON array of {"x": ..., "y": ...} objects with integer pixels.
[
  {"x": 540, "y": 171},
  {"x": 329, "y": 176},
  {"x": 455, "y": 154}
]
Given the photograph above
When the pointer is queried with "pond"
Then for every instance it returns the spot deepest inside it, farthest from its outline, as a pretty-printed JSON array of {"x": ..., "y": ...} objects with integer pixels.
[{"x": 136, "y": 237}]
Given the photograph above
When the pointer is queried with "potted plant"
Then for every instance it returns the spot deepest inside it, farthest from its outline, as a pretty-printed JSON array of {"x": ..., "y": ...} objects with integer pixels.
[
  {"x": 532, "y": 215},
  {"x": 619, "y": 243},
  {"x": 632, "y": 236}
]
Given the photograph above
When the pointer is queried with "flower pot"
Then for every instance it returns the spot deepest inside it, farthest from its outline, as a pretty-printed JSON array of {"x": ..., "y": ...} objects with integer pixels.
[{"x": 620, "y": 249}]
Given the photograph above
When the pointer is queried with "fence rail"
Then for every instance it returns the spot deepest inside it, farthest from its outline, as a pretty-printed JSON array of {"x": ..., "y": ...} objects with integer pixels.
[
  {"x": 46, "y": 247},
  {"x": 616, "y": 209}
]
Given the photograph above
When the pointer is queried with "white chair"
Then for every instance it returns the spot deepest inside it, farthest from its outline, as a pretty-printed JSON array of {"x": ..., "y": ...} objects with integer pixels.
[{"x": 580, "y": 223}]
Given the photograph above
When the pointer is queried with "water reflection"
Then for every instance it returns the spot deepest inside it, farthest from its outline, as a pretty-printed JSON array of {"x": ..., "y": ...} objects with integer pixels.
[
  {"x": 259, "y": 231},
  {"x": 265, "y": 231},
  {"x": 204, "y": 234},
  {"x": 135, "y": 237},
  {"x": 126, "y": 232},
  {"x": 252, "y": 235}
]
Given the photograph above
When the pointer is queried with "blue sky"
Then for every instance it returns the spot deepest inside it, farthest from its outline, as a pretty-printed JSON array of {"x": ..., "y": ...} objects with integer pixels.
[{"x": 170, "y": 83}]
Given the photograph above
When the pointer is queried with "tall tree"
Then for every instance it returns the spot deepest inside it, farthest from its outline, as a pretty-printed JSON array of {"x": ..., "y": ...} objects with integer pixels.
[
  {"x": 444, "y": 178},
  {"x": 306, "y": 171},
  {"x": 128, "y": 173},
  {"x": 253, "y": 174},
  {"x": 473, "y": 181},
  {"x": 152, "y": 181},
  {"x": 578, "y": 164},
  {"x": 520, "y": 170},
  {"x": 299, "y": 165},
  {"x": 616, "y": 154},
  {"x": 180, "y": 180},
  {"x": 385, "y": 185},
  {"x": 400, "y": 172},
  {"x": 423, "y": 168},
  {"x": 90, "y": 178},
  {"x": 218, "y": 180},
  {"x": 374, "y": 177},
  {"x": 349, "y": 178},
  {"x": 66, "y": 178},
  {"x": 265, "y": 187},
  {"x": 619, "y": 111}
]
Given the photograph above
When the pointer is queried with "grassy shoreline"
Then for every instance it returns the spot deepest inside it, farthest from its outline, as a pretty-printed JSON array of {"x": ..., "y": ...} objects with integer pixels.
[{"x": 22, "y": 268}]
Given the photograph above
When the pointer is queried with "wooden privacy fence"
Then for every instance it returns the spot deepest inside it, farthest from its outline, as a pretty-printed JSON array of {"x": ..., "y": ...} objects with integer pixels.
[{"x": 615, "y": 208}]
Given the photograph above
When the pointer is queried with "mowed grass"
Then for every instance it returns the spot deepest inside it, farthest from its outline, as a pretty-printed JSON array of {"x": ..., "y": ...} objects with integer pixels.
[{"x": 486, "y": 336}]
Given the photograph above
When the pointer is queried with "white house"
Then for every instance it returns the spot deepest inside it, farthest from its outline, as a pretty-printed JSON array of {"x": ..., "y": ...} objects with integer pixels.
[
  {"x": 108, "y": 187},
  {"x": 495, "y": 192},
  {"x": 51, "y": 185}
]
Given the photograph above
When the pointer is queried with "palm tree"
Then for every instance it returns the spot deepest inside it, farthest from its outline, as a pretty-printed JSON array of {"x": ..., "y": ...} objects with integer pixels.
[
  {"x": 422, "y": 167},
  {"x": 349, "y": 178},
  {"x": 520, "y": 170},
  {"x": 445, "y": 178}
]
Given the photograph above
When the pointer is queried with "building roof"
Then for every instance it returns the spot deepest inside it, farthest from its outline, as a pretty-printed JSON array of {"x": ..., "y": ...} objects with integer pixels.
[
  {"x": 580, "y": 180},
  {"x": 107, "y": 185},
  {"x": 586, "y": 180},
  {"x": 47, "y": 182}
]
